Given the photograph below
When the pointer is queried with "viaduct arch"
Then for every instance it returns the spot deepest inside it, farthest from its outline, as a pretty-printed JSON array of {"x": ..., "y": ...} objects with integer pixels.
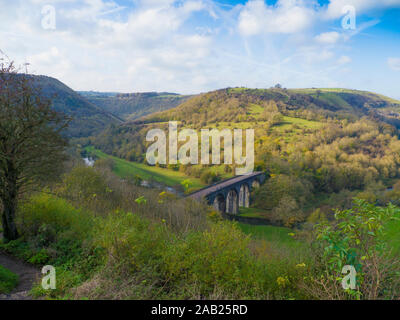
[{"x": 228, "y": 195}]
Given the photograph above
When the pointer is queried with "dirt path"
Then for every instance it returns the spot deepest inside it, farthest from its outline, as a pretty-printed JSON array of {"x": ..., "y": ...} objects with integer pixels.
[{"x": 27, "y": 276}]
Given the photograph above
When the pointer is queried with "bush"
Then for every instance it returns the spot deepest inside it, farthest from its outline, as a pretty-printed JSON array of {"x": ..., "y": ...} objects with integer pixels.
[
  {"x": 131, "y": 241},
  {"x": 317, "y": 216},
  {"x": 167, "y": 249},
  {"x": 146, "y": 260},
  {"x": 281, "y": 186},
  {"x": 216, "y": 258},
  {"x": 8, "y": 280},
  {"x": 358, "y": 240},
  {"x": 288, "y": 212},
  {"x": 83, "y": 185},
  {"x": 106, "y": 163},
  {"x": 209, "y": 177},
  {"x": 48, "y": 217}
]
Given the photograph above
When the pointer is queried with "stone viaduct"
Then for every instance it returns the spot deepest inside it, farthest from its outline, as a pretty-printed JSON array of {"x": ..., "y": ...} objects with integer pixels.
[{"x": 228, "y": 195}]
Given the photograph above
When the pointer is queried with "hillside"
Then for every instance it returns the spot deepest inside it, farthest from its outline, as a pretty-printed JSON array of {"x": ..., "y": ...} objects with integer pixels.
[
  {"x": 242, "y": 105},
  {"x": 321, "y": 147},
  {"x": 88, "y": 119},
  {"x": 130, "y": 106},
  {"x": 286, "y": 115}
]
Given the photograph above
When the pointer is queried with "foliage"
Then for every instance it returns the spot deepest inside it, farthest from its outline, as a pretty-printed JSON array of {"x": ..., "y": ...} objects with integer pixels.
[
  {"x": 130, "y": 106},
  {"x": 209, "y": 177},
  {"x": 48, "y": 217},
  {"x": 143, "y": 255},
  {"x": 358, "y": 239},
  {"x": 186, "y": 184},
  {"x": 317, "y": 217},
  {"x": 127, "y": 169},
  {"x": 31, "y": 145},
  {"x": 8, "y": 280},
  {"x": 87, "y": 118}
]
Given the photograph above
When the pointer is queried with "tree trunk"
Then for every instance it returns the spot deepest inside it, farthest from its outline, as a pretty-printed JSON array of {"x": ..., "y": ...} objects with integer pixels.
[
  {"x": 9, "y": 208},
  {"x": 9, "y": 228}
]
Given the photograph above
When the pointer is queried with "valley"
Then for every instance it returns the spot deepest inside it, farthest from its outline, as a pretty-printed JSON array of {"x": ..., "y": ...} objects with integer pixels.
[
  {"x": 329, "y": 156},
  {"x": 131, "y": 106},
  {"x": 129, "y": 169},
  {"x": 203, "y": 155}
]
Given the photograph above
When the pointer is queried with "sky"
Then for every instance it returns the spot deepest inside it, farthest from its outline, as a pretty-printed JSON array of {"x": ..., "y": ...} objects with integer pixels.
[{"x": 193, "y": 46}]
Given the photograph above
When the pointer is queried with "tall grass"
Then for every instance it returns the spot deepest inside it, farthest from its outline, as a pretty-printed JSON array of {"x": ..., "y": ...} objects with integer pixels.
[{"x": 110, "y": 246}]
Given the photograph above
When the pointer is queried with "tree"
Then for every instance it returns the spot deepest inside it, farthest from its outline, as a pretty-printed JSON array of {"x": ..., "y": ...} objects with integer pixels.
[
  {"x": 31, "y": 146},
  {"x": 358, "y": 238},
  {"x": 186, "y": 184}
]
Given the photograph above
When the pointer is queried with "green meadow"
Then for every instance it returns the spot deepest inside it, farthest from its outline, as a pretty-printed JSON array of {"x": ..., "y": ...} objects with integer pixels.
[
  {"x": 288, "y": 122},
  {"x": 254, "y": 213},
  {"x": 124, "y": 169},
  {"x": 279, "y": 235}
]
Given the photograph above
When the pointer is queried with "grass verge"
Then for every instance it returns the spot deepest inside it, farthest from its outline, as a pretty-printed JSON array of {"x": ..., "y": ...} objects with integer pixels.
[{"x": 8, "y": 280}]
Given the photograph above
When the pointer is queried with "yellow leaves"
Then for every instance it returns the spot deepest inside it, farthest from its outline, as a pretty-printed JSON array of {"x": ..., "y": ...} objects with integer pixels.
[
  {"x": 141, "y": 200},
  {"x": 162, "y": 196},
  {"x": 214, "y": 216},
  {"x": 282, "y": 281}
]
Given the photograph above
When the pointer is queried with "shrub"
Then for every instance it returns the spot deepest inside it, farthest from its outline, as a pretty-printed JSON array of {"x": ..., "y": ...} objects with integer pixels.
[
  {"x": 209, "y": 177},
  {"x": 8, "y": 280},
  {"x": 83, "y": 185},
  {"x": 106, "y": 163},
  {"x": 218, "y": 263},
  {"x": 317, "y": 216},
  {"x": 288, "y": 212},
  {"x": 131, "y": 241},
  {"x": 358, "y": 239},
  {"x": 48, "y": 217},
  {"x": 281, "y": 186}
]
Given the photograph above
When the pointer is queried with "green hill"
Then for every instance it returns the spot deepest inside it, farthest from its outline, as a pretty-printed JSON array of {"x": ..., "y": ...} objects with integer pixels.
[
  {"x": 87, "y": 118},
  {"x": 314, "y": 143},
  {"x": 130, "y": 106},
  {"x": 242, "y": 104}
]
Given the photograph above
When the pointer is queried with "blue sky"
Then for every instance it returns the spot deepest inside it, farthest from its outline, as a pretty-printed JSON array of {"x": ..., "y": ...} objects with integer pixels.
[{"x": 192, "y": 46}]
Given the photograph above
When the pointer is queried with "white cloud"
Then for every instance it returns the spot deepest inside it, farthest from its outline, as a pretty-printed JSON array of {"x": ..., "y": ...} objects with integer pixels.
[
  {"x": 335, "y": 7},
  {"x": 394, "y": 63},
  {"x": 94, "y": 47},
  {"x": 344, "y": 60},
  {"x": 50, "y": 61},
  {"x": 313, "y": 55},
  {"x": 328, "y": 37},
  {"x": 287, "y": 16},
  {"x": 184, "y": 46}
]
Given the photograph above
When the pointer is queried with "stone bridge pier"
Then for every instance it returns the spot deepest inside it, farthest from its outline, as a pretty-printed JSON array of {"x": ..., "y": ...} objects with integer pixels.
[{"x": 228, "y": 195}]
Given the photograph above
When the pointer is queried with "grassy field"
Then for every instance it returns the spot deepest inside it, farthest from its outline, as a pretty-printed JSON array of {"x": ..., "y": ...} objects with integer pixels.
[
  {"x": 301, "y": 123},
  {"x": 124, "y": 169},
  {"x": 8, "y": 280},
  {"x": 271, "y": 233},
  {"x": 255, "y": 110},
  {"x": 254, "y": 213},
  {"x": 340, "y": 90}
]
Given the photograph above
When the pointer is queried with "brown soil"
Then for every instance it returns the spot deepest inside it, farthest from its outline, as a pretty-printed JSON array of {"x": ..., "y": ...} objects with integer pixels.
[{"x": 27, "y": 276}]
